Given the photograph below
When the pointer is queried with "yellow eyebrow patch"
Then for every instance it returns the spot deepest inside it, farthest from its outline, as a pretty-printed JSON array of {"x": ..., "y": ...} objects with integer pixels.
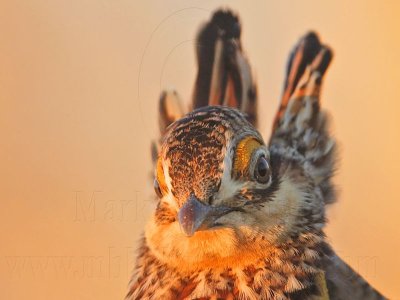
[
  {"x": 244, "y": 151},
  {"x": 160, "y": 176}
]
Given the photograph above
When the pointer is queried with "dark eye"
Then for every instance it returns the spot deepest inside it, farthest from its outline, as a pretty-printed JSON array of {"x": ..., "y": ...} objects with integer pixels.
[
  {"x": 157, "y": 189},
  {"x": 261, "y": 171}
]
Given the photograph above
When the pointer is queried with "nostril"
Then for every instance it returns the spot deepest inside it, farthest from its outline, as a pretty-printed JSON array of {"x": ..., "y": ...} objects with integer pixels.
[{"x": 211, "y": 199}]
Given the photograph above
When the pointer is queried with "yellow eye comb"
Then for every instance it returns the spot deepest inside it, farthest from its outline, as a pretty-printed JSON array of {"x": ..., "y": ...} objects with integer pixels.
[
  {"x": 160, "y": 177},
  {"x": 244, "y": 151}
]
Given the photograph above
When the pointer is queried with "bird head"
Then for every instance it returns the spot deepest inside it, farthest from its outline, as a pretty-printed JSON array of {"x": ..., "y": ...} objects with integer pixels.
[{"x": 220, "y": 189}]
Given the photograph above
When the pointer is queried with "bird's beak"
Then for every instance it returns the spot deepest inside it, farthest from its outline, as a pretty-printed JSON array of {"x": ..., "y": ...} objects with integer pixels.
[{"x": 195, "y": 215}]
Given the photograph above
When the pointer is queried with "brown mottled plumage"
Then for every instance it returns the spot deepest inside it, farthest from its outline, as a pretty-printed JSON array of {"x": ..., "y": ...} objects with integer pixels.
[{"x": 239, "y": 218}]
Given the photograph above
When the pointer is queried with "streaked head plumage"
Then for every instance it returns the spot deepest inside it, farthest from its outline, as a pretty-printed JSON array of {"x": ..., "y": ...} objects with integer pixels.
[
  {"x": 204, "y": 148},
  {"x": 215, "y": 156}
]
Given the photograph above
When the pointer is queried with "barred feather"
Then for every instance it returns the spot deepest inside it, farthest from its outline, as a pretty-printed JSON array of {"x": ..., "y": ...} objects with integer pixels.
[
  {"x": 272, "y": 244},
  {"x": 224, "y": 74}
]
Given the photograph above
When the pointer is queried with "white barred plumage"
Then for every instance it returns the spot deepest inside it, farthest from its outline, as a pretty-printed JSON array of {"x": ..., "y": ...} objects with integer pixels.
[{"x": 239, "y": 218}]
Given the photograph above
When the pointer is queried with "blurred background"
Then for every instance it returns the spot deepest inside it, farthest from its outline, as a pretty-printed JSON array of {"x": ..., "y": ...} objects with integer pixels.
[{"x": 79, "y": 86}]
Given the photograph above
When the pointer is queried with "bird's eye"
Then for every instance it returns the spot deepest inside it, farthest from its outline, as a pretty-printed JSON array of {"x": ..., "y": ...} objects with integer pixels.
[
  {"x": 262, "y": 171},
  {"x": 157, "y": 188}
]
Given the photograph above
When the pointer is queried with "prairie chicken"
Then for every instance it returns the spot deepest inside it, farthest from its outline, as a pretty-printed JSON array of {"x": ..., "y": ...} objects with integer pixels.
[{"x": 239, "y": 218}]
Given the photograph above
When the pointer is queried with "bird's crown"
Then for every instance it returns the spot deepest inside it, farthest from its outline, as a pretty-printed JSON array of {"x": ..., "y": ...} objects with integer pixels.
[{"x": 213, "y": 159}]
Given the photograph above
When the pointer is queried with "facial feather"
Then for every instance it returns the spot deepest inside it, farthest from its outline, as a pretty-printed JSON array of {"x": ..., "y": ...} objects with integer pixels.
[{"x": 270, "y": 221}]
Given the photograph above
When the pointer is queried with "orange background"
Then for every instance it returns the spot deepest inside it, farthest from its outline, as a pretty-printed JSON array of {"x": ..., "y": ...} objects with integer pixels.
[{"x": 79, "y": 84}]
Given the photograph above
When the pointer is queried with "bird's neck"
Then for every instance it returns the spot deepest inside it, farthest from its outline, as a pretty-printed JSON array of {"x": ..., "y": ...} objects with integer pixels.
[
  {"x": 282, "y": 269},
  {"x": 226, "y": 247}
]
